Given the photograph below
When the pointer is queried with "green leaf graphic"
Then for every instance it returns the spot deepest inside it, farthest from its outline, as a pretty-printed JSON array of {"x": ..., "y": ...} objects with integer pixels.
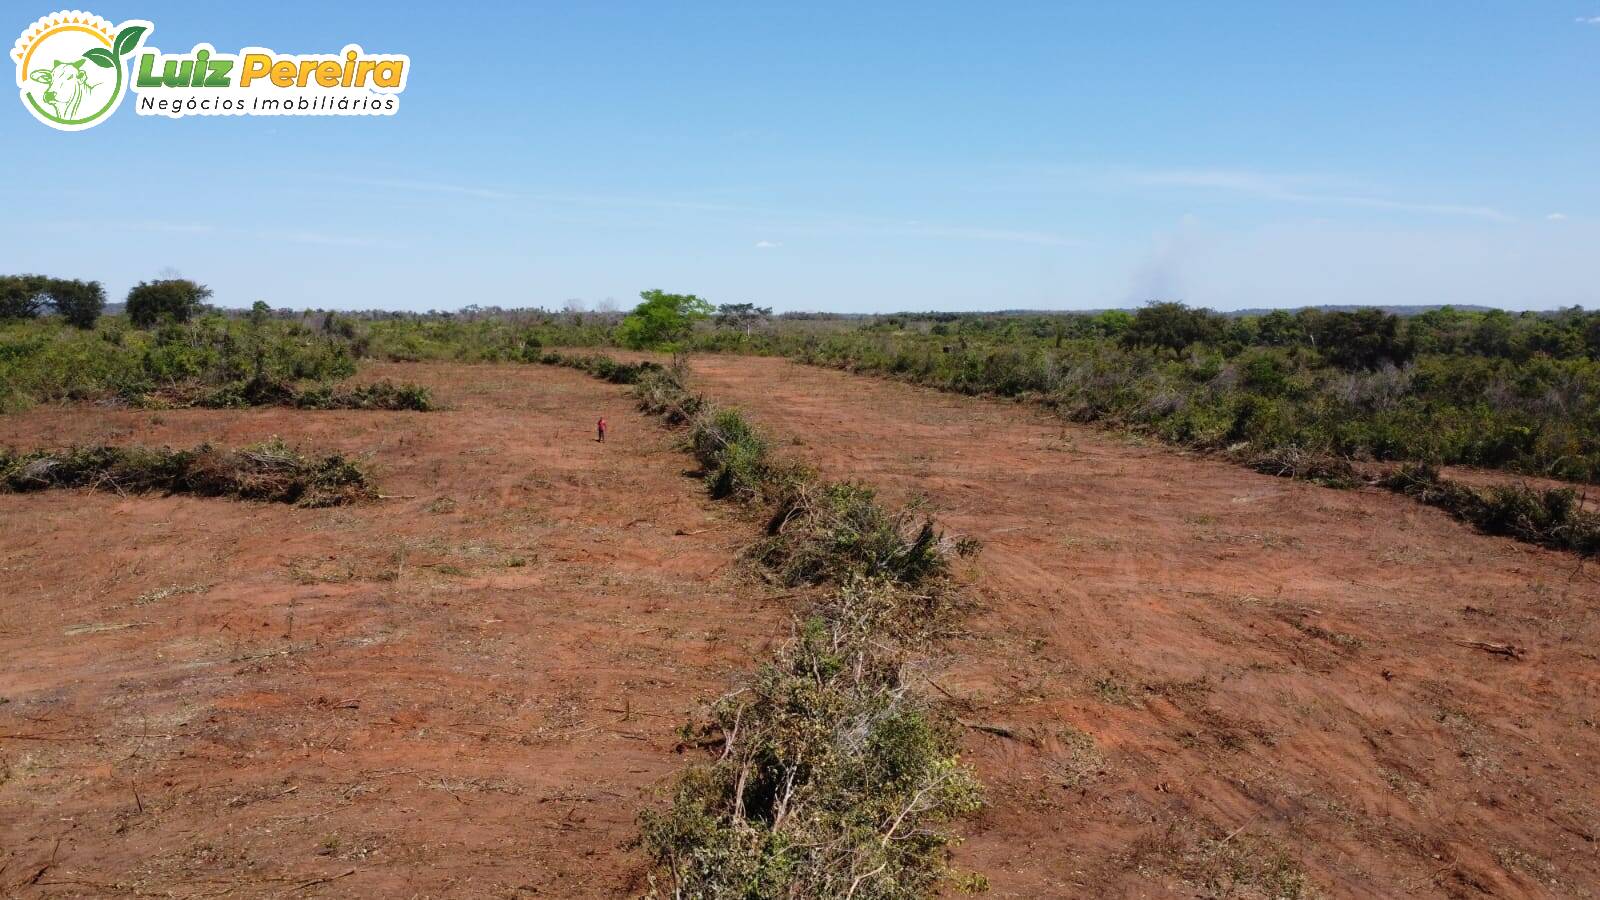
[
  {"x": 100, "y": 56},
  {"x": 128, "y": 38}
]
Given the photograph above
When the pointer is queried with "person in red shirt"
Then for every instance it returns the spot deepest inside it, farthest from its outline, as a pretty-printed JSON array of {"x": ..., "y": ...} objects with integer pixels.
[{"x": 600, "y": 428}]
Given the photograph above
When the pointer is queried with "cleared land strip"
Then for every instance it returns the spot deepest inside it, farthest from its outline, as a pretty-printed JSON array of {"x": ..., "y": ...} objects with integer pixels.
[
  {"x": 1188, "y": 675},
  {"x": 469, "y": 689},
  {"x": 830, "y": 775}
]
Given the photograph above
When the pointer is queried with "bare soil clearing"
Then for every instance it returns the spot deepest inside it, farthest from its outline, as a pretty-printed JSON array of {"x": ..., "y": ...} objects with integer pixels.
[
  {"x": 1182, "y": 677},
  {"x": 469, "y": 689},
  {"x": 1188, "y": 678}
]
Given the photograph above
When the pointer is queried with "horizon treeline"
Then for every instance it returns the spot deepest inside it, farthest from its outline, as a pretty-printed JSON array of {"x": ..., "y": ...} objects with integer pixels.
[{"x": 1512, "y": 391}]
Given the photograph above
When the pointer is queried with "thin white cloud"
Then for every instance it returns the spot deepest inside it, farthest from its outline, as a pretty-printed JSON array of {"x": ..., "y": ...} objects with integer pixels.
[
  {"x": 435, "y": 187},
  {"x": 1588, "y": 20},
  {"x": 768, "y": 245},
  {"x": 1300, "y": 190},
  {"x": 1557, "y": 217}
]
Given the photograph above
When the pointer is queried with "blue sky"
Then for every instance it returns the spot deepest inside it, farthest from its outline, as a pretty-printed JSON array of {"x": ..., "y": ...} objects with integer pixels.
[{"x": 858, "y": 157}]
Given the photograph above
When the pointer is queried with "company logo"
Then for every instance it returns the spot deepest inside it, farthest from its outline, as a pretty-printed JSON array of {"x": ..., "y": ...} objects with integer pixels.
[
  {"x": 70, "y": 67},
  {"x": 73, "y": 69}
]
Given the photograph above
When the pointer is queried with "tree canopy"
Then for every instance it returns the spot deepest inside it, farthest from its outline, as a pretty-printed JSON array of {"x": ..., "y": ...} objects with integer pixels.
[
  {"x": 22, "y": 296},
  {"x": 26, "y": 296},
  {"x": 78, "y": 302},
  {"x": 1172, "y": 325},
  {"x": 178, "y": 299},
  {"x": 661, "y": 319},
  {"x": 742, "y": 316}
]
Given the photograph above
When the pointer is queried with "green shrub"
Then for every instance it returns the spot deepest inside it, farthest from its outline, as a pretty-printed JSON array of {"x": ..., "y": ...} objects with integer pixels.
[{"x": 733, "y": 455}]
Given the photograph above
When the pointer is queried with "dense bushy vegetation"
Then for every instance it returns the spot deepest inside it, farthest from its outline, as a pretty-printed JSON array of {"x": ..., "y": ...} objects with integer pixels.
[
  {"x": 268, "y": 391},
  {"x": 270, "y": 471},
  {"x": 1488, "y": 389},
  {"x": 209, "y": 361},
  {"x": 833, "y": 778},
  {"x": 466, "y": 338}
]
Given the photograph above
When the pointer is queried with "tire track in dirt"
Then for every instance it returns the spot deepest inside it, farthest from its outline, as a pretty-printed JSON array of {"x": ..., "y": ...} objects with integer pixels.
[
  {"x": 1223, "y": 682},
  {"x": 468, "y": 690}
]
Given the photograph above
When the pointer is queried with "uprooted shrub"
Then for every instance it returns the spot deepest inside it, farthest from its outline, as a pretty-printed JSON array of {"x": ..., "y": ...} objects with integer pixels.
[
  {"x": 830, "y": 532},
  {"x": 269, "y": 471},
  {"x": 833, "y": 778},
  {"x": 736, "y": 459},
  {"x": 1552, "y": 517},
  {"x": 662, "y": 392},
  {"x": 378, "y": 395},
  {"x": 1303, "y": 465}
]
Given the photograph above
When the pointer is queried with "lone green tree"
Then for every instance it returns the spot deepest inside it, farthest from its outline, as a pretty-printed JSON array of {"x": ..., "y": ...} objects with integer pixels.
[
  {"x": 80, "y": 303},
  {"x": 742, "y": 316},
  {"x": 661, "y": 319},
  {"x": 22, "y": 296},
  {"x": 178, "y": 299}
]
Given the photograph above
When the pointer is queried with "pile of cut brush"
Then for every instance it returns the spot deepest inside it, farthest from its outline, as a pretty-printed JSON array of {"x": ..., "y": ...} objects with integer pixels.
[
  {"x": 1549, "y": 517},
  {"x": 269, "y": 471},
  {"x": 268, "y": 391},
  {"x": 833, "y": 777},
  {"x": 601, "y": 366}
]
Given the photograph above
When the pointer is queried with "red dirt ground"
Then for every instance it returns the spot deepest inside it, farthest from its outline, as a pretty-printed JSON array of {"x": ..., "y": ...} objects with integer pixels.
[
  {"x": 468, "y": 690},
  {"x": 1210, "y": 682},
  {"x": 1221, "y": 683}
]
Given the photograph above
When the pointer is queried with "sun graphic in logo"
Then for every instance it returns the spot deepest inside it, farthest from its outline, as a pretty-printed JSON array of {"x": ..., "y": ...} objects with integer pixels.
[{"x": 71, "y": 67}]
